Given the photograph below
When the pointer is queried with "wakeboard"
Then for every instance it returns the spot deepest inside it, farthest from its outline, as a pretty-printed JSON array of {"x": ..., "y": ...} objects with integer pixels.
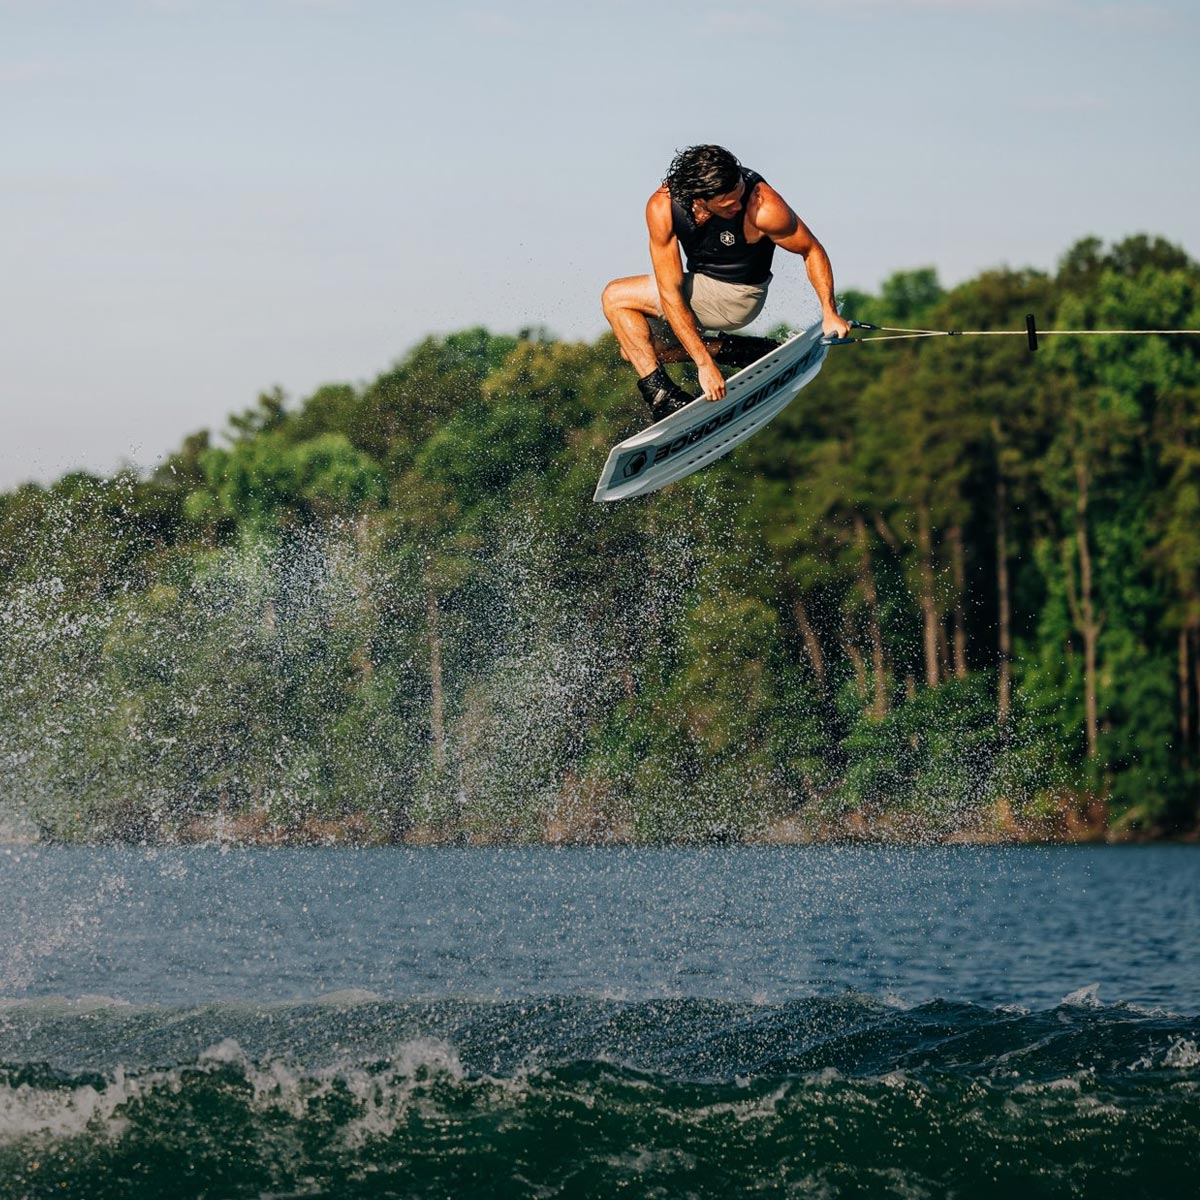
[{"x": 705, "y": 430}]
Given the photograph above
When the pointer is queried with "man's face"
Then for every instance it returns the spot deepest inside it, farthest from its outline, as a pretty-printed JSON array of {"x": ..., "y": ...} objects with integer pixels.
[{"x": 727, "y": 204}]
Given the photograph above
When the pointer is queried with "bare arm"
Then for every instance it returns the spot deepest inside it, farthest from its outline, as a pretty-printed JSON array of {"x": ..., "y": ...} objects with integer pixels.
[
  {"x": 776, "y": 219},
  {"x": 668, "y": 276}
]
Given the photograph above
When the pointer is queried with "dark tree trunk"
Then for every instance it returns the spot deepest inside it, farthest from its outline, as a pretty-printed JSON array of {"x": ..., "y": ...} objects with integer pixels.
[
  {"x": 959, "y": 569},
  {"x": 812, "y": 644},
  {"x": 867, "y": 581},
  {"x": 1083, "y": 613},
  {"x": 1185, "y": 698},
  {"x": 855, "y": 656},
  {"x": 928, "y": 607},
  {"x": 1196, "y": 679},
  {"x": 437, "y": 704},
  {"x": 1091, "y": 627},
  {"x": 943, "y": 651},
  {"x": 1003, "y": 604}
]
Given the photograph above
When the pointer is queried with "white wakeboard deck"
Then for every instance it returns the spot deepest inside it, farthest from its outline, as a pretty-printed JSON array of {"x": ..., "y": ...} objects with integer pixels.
[{"x": 706, "y": 430}]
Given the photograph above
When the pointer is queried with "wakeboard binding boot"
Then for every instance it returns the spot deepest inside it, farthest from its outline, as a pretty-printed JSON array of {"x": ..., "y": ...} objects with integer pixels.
[
  {"x": 740, "y": 350},
  {"x": 662, "y": 394}
]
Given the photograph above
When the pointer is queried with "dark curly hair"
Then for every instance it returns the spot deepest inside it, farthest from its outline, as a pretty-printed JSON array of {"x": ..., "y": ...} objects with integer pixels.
[{"x": 701, "y": 172}]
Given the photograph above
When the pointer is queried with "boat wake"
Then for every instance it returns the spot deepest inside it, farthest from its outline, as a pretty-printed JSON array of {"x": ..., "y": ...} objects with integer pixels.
[{"x": 581, "y": 1096}]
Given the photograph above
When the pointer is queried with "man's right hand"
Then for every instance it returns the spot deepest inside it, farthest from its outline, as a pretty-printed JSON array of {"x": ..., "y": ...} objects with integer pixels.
[{"x": 712, "y": 382}]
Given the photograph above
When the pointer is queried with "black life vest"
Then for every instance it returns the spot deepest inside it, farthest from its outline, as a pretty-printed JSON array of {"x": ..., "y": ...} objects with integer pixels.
[{"x": 718, "y": 247}]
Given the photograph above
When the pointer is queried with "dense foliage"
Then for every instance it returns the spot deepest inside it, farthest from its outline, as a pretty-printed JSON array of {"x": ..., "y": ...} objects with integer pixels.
[{"x": 954, "y": 587}]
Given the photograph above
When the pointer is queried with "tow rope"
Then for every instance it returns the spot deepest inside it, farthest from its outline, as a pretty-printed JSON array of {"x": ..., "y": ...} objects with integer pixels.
[{"x": 1030, "y": 333}]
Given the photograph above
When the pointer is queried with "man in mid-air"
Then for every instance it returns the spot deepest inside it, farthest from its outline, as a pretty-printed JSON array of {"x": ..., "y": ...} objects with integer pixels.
[{"x": 728, "y": 220}]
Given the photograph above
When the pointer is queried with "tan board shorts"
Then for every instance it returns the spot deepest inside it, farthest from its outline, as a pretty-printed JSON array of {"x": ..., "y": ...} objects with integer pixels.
[{"x": 718, "y": 306}]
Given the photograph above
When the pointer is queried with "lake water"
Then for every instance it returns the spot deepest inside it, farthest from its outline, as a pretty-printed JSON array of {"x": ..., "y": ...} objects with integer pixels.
[{"x": 796, "y": 1021}]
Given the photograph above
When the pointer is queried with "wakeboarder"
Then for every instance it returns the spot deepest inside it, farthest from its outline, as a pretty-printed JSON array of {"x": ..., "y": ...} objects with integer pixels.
[{"x": 728, "y": 220}]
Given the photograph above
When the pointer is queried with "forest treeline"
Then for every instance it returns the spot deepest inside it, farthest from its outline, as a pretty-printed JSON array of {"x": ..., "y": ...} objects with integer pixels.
[{"x": 952, "y": 590}]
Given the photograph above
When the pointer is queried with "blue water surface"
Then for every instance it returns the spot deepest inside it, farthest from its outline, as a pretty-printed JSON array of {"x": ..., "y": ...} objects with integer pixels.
[{"x": 990, "y": 926}]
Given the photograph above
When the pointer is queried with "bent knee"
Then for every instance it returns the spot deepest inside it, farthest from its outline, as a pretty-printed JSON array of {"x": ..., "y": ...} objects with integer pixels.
[
  {"x": 634, "y": 294},
  {"x": 610, "y": 298}
]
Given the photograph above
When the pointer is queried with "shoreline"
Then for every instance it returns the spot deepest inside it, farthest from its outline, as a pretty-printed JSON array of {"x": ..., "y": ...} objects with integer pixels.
[{"x": 252, "y": 833}]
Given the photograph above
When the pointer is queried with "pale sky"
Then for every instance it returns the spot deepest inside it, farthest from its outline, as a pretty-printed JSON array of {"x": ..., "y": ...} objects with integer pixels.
[{"x": 200, "y": 199}]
